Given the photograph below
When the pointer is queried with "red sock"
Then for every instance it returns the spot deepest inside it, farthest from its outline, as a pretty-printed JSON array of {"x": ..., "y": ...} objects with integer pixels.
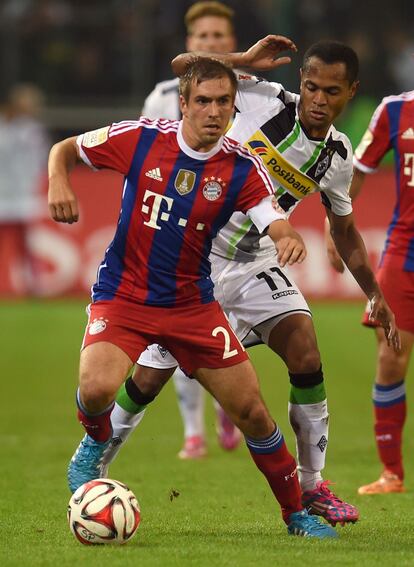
[
  {"x": 97, "y": 426},
  {"x": 389, "y": 423},
  {"x": 279, "y": 468}
]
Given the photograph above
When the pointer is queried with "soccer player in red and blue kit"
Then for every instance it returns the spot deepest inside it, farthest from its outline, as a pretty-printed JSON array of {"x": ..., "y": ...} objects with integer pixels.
[
  {"x": 183, "y": 180},
  {"x": 392, "y": 127}
]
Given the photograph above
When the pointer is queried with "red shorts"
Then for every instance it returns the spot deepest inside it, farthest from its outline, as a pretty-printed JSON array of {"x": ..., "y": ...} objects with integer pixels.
[
  {"x": 398, "y": 289},
  {"x": 198, "y": 336}
]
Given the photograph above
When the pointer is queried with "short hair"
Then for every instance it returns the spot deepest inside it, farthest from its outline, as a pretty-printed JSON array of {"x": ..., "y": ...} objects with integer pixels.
[
  {"x": 334, "y": 52},
  {"x": 204, "y": 69},
  {"x": 202, "y": 9}
]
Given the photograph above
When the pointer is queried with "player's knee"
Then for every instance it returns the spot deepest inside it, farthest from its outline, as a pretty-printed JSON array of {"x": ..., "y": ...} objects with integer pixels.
[
  {"x": 307, "y": 379},
  {"x": 253, "y": 418},
  {"x": 95, "y": 393},
  {"x": 392, "y": 366}
]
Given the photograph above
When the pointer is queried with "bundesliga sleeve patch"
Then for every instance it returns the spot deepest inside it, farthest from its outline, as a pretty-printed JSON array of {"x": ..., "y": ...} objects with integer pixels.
[
  {"x": 96, "y": 137},
  {"x": 363, "y": 144}
]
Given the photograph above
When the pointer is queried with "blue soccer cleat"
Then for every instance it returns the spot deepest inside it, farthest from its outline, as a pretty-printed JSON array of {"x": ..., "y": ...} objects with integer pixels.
[
  {"x": 303, "y": 524},
  {"x": 86, "y": 463}
]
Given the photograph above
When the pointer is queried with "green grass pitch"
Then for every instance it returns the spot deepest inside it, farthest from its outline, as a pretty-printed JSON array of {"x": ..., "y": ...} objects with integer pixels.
[{"x": 224, "y": 514}]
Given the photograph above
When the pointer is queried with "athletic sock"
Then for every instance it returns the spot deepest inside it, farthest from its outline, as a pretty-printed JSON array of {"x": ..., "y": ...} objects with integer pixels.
[
  {"x": 390, "y": 412},
  {"x": 97, "y": 426},
  {"x": 191, "y": 403},
  {"x": 308, "y": 416},
  {"x": 128, "y": 411},
  {"x": 279, "y": 467}
]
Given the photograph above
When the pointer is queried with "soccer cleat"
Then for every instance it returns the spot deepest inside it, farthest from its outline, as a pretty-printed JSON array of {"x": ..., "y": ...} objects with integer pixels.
[
  {"x": 229, "y": 436},
  {"x": 194, "y": 448},
  {"x": 323, "y": 502},
  {"x": 303, "y": 524},
  {"x": 86, "y": 463},
  {"x": 387, "y": 483}
]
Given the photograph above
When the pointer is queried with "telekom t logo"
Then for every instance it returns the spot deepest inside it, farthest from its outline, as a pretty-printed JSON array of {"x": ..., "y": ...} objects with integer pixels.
[
  {"x": 151, "y": 204},
  {"x": 156, "y": 204},
  {"x": 409, "y": 168}
]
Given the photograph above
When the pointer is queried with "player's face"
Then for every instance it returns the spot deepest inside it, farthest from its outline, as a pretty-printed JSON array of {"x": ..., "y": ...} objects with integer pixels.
[
  {"x": 207, "y": 113},
  {"x": 211, "y": 34},
  {"x": 324, "y": 93}
]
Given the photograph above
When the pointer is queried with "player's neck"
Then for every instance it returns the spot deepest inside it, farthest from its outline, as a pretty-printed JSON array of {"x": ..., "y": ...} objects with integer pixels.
[{"x": 192, "y": 146}]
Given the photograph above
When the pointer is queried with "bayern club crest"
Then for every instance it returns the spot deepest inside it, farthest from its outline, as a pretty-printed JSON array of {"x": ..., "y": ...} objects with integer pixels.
[
  {"x": 97, "y": 326},
  {"x": 213, "y": 188}
]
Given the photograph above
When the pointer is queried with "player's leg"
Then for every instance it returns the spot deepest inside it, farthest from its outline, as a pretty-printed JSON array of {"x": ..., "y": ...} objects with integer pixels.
[
  {"x": 130, "y": 405},
  {"x": 390, "y": 411},
  {"x": 191, "y": 398},
  {"x": 103, "y": 367},
  {"x": 293, "y": 338},
  {"x": 264, "y": 440}
]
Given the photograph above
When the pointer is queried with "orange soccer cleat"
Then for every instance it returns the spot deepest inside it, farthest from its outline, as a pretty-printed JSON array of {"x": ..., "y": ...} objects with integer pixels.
[{"x": 387, "y": 483}]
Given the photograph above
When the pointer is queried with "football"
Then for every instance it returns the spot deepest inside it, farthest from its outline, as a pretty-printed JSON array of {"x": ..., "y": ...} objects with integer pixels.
[{"x": 103, "y": 511}]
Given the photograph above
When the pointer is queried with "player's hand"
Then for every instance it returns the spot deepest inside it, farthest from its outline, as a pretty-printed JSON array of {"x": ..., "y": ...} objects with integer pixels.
[
  {"x": 63, "y": 205},
  {"x": 262, "y": 56},
  {"x": 290, "y": 249},
  {"x": 333, "y": 256},
  {"x": 379, "y": 311}
]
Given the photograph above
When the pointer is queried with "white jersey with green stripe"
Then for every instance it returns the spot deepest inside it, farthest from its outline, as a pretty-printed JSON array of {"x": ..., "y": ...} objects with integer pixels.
[{"x": 267, "y": 124}]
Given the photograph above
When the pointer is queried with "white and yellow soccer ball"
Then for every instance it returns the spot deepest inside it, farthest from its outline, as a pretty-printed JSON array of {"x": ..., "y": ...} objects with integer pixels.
[{"x": 103, "y": 511}]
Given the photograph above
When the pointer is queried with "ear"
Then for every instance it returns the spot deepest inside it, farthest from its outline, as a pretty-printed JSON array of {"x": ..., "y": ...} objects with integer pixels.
[
  {"x": 183, "y": 105},
  {"x": 353, "y": 89}
]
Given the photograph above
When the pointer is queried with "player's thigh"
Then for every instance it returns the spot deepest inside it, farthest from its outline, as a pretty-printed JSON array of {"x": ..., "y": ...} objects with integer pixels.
[
  {"x": 293, "y": 338},
  {"x": 392, "y": 366}
]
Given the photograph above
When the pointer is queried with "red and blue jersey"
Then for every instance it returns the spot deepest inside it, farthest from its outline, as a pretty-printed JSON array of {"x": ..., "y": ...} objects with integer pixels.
[
  {"x": 392, "y": 127},
  {"x": 174, "y": 201}
]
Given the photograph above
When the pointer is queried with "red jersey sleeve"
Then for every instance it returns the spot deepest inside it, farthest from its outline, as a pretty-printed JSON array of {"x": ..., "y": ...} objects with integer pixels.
[
  {"x": 375, "y": 142},
  {"x": 256, "y": 187},
  {"x": 111, "y": 147}
]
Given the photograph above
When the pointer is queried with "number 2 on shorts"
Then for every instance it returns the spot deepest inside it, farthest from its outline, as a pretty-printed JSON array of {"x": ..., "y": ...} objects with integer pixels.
[{"x": 227, "y": 352}]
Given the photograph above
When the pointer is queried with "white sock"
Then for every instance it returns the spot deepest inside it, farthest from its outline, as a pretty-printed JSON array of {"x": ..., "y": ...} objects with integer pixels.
[
  {"x": 123, "y": 424},
  {"x": 310, "y": 424},
  {"x": 191, "y": 403}
]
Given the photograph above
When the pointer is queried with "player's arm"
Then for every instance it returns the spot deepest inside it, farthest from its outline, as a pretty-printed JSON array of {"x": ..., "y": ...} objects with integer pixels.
[
  {"x": 63, "y": 204},
  {"x": 262, "y": 56},
  {"x": 351, "y": 248},
  {"x": 334, "y": 258}
]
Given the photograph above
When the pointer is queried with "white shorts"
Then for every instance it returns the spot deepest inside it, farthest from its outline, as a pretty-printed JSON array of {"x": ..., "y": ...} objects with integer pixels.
[{"x": 255, "y": 296}]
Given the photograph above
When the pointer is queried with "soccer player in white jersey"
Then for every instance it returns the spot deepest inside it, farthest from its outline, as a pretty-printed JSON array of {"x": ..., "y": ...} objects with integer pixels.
[
  {"x": 304, "y": 153},
  {"x": 209, "y": 28}
]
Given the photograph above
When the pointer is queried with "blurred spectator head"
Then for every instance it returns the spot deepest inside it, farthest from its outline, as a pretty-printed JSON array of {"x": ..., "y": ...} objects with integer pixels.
[
  {"x": 24, "y": 99},
  {"x": 210, "y": 27}
]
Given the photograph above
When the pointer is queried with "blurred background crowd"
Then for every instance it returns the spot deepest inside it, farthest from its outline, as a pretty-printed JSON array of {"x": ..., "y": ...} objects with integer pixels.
[
  {"x": 68, "y": 66},
  {"x": 109, "y": 55}
]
